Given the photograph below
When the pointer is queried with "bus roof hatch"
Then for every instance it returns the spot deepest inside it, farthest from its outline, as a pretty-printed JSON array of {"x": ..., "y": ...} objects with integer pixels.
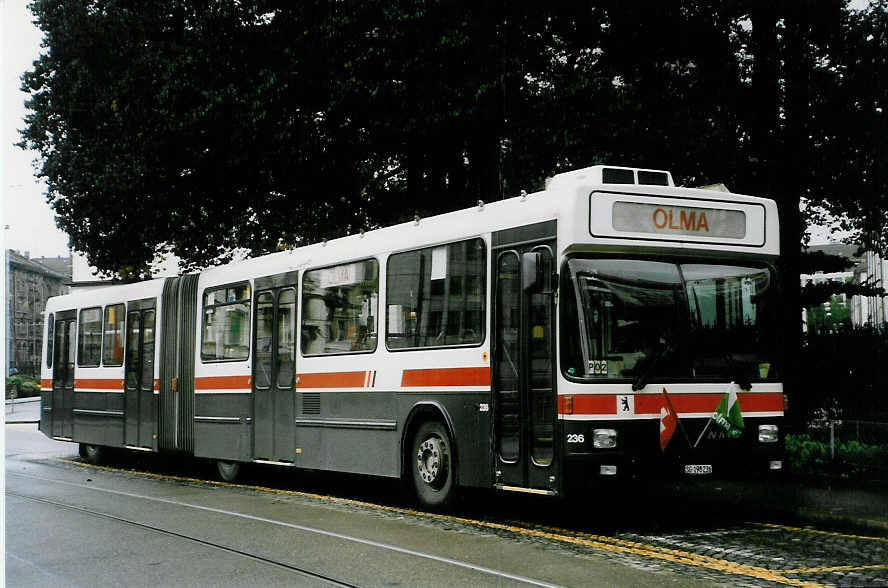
[{"x": 611, "y": 174}]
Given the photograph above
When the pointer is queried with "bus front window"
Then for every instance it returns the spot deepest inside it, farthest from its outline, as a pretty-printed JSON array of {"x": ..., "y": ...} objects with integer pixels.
[
  {"x": 732, "y": 329},
  {"x": 642, "y": 320},
  {"x": 627, "y": 311}
]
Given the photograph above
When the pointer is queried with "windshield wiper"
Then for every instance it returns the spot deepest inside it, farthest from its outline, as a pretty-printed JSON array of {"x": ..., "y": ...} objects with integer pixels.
[{"x": 641, "y": 379}]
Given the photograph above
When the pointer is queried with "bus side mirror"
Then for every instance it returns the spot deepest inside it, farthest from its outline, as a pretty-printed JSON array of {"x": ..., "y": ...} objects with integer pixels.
[{"x": 533, "y": 278}]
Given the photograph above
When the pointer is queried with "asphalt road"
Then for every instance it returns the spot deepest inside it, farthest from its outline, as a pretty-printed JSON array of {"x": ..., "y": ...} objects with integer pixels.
[
  {"x": 69, "y": 525},
  {"x": 148, "y": 521}
]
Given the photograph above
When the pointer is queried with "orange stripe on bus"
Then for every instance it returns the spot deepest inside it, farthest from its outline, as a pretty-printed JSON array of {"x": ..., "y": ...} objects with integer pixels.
[
  {"x": 606, "y": 404},
  {"x": 446, "y": 377},
  {"x": 651, "y": 403},
  {"x": 222, "y": 383},
  {"x": 332, "y": 380},
  {"x": 99, "y": 383}
]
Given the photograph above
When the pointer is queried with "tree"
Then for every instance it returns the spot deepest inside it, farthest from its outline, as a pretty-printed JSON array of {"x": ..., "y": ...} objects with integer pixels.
[
  {"x": 831, "y": 317},
  {"x": 202, "y": 128},
  {"x": 855, "y": 127},
  {"x": 192, "y": 129}
]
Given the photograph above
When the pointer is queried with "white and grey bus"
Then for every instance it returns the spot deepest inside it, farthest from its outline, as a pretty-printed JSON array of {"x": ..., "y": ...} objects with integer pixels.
[{"x": 523, "y": 345}]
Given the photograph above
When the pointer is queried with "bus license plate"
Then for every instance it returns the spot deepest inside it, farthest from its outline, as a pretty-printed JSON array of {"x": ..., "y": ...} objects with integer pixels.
[{"x": 698, "y": 470}]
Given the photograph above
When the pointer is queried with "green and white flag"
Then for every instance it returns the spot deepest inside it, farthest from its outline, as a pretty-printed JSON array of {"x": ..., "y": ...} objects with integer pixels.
[{"x": 727, "y": 414}]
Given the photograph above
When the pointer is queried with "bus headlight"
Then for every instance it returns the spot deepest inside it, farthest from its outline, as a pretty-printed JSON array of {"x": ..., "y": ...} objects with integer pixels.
[
  {"x": 768, "y": 434},
  {"x": 604, "y": 438}
]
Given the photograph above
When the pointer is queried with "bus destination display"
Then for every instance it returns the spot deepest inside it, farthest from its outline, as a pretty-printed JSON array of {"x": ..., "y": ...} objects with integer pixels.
[{"x": 638, "y": 217}]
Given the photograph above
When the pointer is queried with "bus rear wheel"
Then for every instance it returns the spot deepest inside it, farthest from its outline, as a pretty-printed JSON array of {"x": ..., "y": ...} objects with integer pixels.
[
  {"x": 93, "y": 454},
  {"x": 228, "y": 470},
  {"x": 431, "y": 466}
]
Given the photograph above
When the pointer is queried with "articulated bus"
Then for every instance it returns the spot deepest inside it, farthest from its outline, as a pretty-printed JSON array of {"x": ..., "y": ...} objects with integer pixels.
[{"x": 537, "y": 344}]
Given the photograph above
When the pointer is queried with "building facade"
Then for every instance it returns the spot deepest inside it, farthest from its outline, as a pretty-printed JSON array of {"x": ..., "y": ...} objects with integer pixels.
[
  {"x": 868, "y": 268},
  {"x": 872, "y": 310},
  {"x": 29, "y": 284}
]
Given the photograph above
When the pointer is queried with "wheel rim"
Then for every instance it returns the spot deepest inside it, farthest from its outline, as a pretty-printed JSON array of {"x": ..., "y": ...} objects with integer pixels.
[{"x": 432, "y": 462}]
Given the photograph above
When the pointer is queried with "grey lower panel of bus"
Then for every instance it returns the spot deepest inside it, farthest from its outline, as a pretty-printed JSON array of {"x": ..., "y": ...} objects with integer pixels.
[
  {"x": 223, "y": 427},
  {"x": 99, "y": 418},
  {"x": 355, "y": 432}
]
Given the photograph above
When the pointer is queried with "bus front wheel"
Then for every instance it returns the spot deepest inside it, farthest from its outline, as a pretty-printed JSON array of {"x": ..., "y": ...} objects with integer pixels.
[{"x": 431, "y": 465}]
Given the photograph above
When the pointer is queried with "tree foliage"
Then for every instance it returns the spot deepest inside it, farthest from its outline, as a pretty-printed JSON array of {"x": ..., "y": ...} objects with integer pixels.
[{"x": 198, "y": 128}]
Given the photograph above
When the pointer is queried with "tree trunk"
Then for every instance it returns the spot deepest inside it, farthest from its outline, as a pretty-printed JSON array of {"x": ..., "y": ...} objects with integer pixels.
[
  {"x": 765, "y": 97},
  {"x": 777, "y": 160}
]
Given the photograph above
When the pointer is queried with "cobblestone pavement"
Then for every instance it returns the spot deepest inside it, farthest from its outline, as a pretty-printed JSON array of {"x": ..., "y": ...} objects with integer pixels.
[
  {"x": 742, "y": 540},
  {"x": 794, "y": 555}
]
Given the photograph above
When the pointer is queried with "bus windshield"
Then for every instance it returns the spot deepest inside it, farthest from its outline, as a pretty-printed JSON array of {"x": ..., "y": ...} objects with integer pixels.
[{"x": 647, "y": 320}]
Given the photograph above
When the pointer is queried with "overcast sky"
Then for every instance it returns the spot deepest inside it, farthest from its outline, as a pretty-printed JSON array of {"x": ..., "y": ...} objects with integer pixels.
[{"x": 27, "y": 220}]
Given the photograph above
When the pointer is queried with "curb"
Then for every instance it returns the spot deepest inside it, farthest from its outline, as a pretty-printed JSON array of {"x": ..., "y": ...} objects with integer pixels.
[
  {"x": 842, "y": 521},
  {"x": 845, "y": 517},
  {"x": 24, "y": 400}
]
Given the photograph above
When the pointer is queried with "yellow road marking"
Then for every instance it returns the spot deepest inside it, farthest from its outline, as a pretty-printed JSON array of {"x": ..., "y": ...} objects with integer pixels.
[
  {"x": 819, "y": 532},
  {"x": 601, "y": 542},
  {"x": 833, "y": 569}
]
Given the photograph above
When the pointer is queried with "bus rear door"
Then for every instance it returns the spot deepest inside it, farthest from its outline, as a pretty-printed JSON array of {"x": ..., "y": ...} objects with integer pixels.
[{"x": 139, "y": 402}]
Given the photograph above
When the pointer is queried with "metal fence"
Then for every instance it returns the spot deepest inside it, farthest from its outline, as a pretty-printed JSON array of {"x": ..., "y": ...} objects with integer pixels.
[
  {"x": 846, "y": 449},
  {"x": 843, "y": 431}
]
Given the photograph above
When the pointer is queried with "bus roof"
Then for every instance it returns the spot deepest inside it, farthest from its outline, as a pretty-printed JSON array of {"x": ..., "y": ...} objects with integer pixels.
[{"x": 587, "y": 203}]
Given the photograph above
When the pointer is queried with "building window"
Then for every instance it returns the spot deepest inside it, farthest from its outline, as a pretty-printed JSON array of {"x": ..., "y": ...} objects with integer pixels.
[
  {"x": 89, "y": 338},
  {"x": 339, "y": 308},
  {"x": 112, "y": 344},
  {"x": 226, "y": 323},
  {"x": 436, "y": 296}
]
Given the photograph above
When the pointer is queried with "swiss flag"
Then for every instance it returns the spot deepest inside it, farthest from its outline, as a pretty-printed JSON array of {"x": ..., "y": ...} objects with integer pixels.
[{"x": 668, "y": 421}]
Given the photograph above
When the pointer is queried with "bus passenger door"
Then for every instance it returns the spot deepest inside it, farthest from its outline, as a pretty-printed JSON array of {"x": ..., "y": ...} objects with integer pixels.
[
  {"x": 524, "y": 394},
  {"x": 274, "y": 364},
  {"x": 139, "y": 403},
  {"x": 63, "y": 375}
]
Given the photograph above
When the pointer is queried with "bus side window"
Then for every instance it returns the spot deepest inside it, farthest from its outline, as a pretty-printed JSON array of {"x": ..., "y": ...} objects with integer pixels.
[
  {"x": 49, "y": 339},
  {"x": 89, "y": 338},
  {"x": 226, "y": 323},
  {"x": 112, "y": 342},
  {"x": 339, "y": 308},
  {"x": 436, "y": 296}
]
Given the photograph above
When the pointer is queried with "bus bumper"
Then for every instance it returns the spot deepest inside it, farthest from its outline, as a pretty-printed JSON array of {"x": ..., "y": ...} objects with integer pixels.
[{"x": 638, "y": 456}]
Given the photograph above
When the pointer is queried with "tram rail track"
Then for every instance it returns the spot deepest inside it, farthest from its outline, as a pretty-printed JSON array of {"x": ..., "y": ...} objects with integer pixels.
[
  {"x": 300, "y": 571},
  {"x": 501, "y": 575}
]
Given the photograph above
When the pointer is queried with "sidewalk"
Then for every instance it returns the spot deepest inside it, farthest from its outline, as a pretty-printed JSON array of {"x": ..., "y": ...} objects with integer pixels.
[
  {"x": 865, "y": 508},
  {"x": 23, "y": 410},
  {"x": 800, "y": 501}
]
